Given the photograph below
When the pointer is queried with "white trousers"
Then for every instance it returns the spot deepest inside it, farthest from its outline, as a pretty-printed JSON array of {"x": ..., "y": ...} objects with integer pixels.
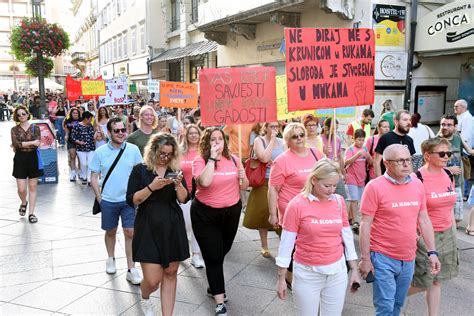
[
  {"x": 312, "y": 288},
  {"x": 85, "y": 158},
  {"x": 189, "y": 228}
]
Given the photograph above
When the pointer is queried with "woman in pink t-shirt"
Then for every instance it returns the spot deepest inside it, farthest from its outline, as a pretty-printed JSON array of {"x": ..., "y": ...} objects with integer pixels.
[
  {"x": 440, "y": 200},
  {"x": 216, "y": 208},
  {"x": 383, "y": 127},
  {"x": 189, "y": 150},
  {"x": 288, "y": 174},
  {"x": 316, "y": 222}
]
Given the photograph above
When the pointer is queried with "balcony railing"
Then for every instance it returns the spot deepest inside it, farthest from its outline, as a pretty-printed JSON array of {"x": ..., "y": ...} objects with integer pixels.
[{"x": 78, "y": 56}]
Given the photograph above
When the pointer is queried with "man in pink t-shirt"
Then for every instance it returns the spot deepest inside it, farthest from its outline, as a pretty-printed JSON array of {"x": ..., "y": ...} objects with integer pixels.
[{"x": 391, "y": 207}]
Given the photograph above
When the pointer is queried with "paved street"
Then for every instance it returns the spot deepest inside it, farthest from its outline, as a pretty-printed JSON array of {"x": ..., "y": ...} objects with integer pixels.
[{"x": 57, "y": 266}]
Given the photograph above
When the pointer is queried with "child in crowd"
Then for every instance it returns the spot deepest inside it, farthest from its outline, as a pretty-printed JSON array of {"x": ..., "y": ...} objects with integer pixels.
[
  {"x": 99, "y": 137},
  {"x": 356, "y": 161}
]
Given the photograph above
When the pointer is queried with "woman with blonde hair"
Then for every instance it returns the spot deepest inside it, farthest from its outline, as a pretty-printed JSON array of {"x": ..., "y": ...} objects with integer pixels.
[
  {"x": 159, "y": 241},
  {"x": 288, "y": 173},
  {"x": 266, "y": 149},
  {"x": 216, "y": 208},
  {"x": 316, "y": 222},
  {"x": 189, "y": 151}
]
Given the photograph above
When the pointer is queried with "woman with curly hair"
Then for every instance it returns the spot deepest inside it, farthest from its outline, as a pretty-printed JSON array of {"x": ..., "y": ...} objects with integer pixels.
[
  {"x": 72, "y": 120},
  {"x": 216, "y": 208},
  {"x": 159, "y": 241}
]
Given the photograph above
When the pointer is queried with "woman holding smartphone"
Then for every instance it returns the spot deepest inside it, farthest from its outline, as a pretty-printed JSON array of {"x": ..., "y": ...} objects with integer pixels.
[{"x": 159, "y": 241}]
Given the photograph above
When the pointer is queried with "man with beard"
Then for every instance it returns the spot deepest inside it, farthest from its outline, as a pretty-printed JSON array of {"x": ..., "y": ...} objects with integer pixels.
[
  {"x": 147, "y": 123},
  {"x": 448, "y": 127},
  {"x": 397, "y": 136}
]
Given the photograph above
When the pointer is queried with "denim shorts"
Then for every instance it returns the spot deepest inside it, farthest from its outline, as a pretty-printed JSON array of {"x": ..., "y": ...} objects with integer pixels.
[
  {"x": 112, "y": 211},
  {"x": 354, "y": 192}
]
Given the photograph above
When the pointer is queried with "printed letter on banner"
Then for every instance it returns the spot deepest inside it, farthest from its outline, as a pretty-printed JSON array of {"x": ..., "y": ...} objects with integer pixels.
[
  {"x": 329, "y": 68},
  {"x": 178, "y": 94},
  {"x": 237, "y": 95}
]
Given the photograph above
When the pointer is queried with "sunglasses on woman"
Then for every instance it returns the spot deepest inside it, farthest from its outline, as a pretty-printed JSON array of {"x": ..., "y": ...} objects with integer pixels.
[
  {"x": 441, "y": 154},
  {"x": 296, "y": 136},
  {"x": 21, "y": 114}
]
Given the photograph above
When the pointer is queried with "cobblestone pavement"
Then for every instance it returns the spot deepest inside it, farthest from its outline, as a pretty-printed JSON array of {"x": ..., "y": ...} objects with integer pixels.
[{"x": 57, "y": 266}]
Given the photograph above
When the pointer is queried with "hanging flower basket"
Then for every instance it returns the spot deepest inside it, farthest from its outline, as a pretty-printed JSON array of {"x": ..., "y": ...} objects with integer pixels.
[
  {"x": 35, "y": 36},
  {"x": 32, "y": 68}
]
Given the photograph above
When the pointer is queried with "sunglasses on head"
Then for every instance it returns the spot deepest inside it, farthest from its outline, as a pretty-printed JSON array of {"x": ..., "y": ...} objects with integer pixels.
[
  {"x": 441, "y": 154},
  {"x": 296, "y": 136},
  {"x": 119, "y": 130}
]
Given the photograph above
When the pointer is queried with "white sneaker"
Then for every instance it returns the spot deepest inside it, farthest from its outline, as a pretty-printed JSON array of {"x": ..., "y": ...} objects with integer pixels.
[
  {"x": 134, "y": 277},
  {"x": 197, "y": 262},
  {"x": 110, "y": 266},
  {"x": 148, "y": 308},
  {"x": 72, "y": 176}
]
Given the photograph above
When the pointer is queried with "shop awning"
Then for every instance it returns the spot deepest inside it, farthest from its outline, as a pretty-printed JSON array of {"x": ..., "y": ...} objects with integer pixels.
[{"x": 194, "y": 49}]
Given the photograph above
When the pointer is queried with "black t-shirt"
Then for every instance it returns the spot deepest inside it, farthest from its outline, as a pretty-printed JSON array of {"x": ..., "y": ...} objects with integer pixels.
[{"x": 392, "y": 138}]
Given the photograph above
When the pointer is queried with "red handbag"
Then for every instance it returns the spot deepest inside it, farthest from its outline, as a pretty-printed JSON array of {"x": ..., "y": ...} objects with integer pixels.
[{"x": 255, "y": 170}]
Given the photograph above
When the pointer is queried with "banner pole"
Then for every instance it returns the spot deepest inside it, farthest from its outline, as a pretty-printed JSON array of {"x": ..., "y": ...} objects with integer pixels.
[
  {"x": 335, "y": 133},
  {"x": 240, "y": 145}
]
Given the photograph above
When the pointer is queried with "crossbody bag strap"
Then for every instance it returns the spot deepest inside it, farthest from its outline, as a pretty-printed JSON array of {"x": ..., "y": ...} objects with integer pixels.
[
  {"x": 113, "y": 166},
  {"x": 372, "y": 146},
  {"x": 311, "y": 150}
]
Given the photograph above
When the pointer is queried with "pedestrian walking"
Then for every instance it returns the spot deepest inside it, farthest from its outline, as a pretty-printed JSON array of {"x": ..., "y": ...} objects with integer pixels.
[
  {"x": 112, "y": 198},
  {"x": 419, "y": 133},
  {"x": 147, "y": 123},
  {"x": 216, "y": 208},
  {"x": 72, "y": 119},
  {"x": 83, "y": 137},
  {"x": 383, "y": 127},
  {"x": 159, "y": 243},
  {"x": 26, "y": 138},
  {"x": 316, "y": 222}
]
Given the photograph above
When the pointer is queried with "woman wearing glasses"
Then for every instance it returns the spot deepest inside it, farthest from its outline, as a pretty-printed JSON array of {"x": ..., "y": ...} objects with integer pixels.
[
  {"x": 266, "y": 149},
  {"x": 288, "y": 174},
  {"x": 216, "y": 208},
  {"x": 159, "y": 241},
  {"x": 311, "y": 123},
  {"x": 440, "y": 200},
  {"x": 25, "y": 140}
]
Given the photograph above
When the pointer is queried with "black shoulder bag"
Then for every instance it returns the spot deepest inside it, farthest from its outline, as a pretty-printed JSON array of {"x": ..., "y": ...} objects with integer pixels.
[{"x": 96, "y": 208}]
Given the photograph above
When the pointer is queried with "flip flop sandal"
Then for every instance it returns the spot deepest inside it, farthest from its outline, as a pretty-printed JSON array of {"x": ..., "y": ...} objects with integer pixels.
[
  {"x": 22, "y": 209},
  {"x": 265, "y": 253},
  {"x": 470, "y": 232},
  {"x": 32, "y": 218}
]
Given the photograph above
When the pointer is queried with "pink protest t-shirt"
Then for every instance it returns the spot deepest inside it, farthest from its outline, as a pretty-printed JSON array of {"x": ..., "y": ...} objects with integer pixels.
[
  {"x": 187, "y": 167},
  {"x": 371, "y": 144},
  {"x": 395, "y": 210},
  {"x": 355, "y": 172},
  {"x": 224, "y": 188},
  {"x": 440, "y": 198},
  {"x": 318, "y": 228},
  {"x": 290, "y": 171}
]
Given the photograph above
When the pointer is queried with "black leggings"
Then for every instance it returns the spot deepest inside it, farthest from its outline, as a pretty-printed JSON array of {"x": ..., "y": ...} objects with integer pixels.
[{"x": 215, "y": 230}]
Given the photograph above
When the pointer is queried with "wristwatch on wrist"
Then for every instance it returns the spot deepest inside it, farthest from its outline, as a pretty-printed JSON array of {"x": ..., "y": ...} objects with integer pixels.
[{"x": 433, "y": 253}]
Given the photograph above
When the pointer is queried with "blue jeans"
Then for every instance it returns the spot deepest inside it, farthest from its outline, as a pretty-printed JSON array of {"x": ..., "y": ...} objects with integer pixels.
[
  {"x": 392, "y": 280},
  {"x": 58, "y": 124}
]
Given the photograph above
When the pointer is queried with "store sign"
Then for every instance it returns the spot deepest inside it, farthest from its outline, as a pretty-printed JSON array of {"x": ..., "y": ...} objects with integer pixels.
[
  {"x": 450, "y": 27},
  {"x": 390, "y": 66},
  {"x": 389, "y": 25}
]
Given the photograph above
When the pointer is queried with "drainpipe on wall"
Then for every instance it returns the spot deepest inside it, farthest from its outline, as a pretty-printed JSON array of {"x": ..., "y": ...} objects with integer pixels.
[{"x": 413, "y": 17}]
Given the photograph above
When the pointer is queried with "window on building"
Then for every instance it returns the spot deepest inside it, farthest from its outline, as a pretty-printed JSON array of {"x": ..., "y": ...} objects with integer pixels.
[
  {"x": 194, "y": 11},
  {"x": 174, "y": 15},
  {"x": 175, "y": 71},
  {"x": 125, "y": 44},
  {"x": 194, "y": 67},
  {"x": 142, "y": 37},
  {"x": 109, "y": 51},
  {"x": 118, "y": 8},
  {"x": 119, "y": 46},
  {"x": 134, "y": 40},
  {"x": 114, "y": 43},
  {"x": 101, "y": 55}
]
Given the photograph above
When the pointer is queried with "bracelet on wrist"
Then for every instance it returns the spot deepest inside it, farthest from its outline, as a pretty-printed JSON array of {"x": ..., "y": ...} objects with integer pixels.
[
  {"x": 433, "y": 253},
  {"x": 148, "y": 187},
  {"x": 213, "y": 159}
]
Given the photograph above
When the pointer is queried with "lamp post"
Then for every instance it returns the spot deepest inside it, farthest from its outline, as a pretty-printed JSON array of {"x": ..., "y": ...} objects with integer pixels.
[{"x": 36, "y": 12}]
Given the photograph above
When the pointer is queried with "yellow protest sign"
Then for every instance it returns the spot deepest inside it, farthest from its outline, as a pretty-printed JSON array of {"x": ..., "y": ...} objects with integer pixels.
[
  {"x": 282, "y": 101},
  {"x": 93, "y": 87}
]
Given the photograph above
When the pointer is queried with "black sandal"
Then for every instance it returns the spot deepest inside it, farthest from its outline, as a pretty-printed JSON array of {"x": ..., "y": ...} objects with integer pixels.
[
  {"x": 32, "y": 218},
  {"x": 22, "y": 209}
]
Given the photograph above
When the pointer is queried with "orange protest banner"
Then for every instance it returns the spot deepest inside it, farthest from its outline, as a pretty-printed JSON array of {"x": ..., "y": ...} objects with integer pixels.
[
  {"x": 329, "y": 68},
  {"x": 178, "y": 94},
  {"x": 237, "y": 95}
]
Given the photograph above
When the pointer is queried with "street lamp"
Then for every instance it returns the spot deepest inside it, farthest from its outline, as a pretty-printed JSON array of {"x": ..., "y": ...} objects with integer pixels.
[{"x": 36, "y": 12}]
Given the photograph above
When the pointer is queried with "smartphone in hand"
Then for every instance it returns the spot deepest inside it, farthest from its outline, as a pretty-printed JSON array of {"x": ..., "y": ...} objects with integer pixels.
[
  {"x": 370, "y": 277},
  {"x": 172, "y": 175}
]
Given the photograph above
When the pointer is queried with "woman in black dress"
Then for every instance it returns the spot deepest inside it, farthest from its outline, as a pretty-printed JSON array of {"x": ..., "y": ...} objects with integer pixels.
[
  {"x": 26, "y": 138},
  {"x": 160, "y": 240}
]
